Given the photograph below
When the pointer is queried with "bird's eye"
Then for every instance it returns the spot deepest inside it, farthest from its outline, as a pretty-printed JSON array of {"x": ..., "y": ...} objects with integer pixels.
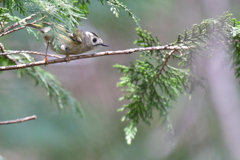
[{"x": 94, "y": 40}]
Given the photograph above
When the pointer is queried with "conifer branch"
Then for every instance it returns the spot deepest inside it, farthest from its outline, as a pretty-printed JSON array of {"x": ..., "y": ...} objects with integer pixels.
[
  {"x": 14, "y": 30},
  {"x": 17, "y": 23},
  {"x": 163, "y": 65},
  {"x": 98, "y": 54},
  {"x": 10, "y": 29}
]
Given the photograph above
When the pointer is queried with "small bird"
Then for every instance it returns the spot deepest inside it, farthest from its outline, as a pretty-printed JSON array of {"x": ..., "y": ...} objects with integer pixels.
[{"x": 77, "y": 42}]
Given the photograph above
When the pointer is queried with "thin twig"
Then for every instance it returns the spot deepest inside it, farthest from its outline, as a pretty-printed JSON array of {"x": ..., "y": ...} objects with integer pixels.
[
  {"x": 2, "y": 25},
  {"x": 13, "y": 30},
  {"x": 99, "y": 54},
  {"x": 8, "y": 29},
  {"x": 29, "y": 52},
  {"x": 7, "y": 56},
  {"x": 2, "y": 48},
  {"x": 17, "y": 23},
  {"x": 19, "y": 120},
  {"x": 163, "y": 65}
]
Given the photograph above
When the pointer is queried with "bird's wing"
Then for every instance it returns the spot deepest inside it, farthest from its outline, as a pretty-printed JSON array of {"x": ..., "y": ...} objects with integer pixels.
[{"x": 77, "y": 36}]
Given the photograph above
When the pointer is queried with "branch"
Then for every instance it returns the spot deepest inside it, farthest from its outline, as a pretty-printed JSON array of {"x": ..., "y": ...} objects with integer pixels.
[
  {"x": 8, "y": 29},
  {"x": 105, "y": 53},
  {"x": 17, "y": 23},
  {"x": 19, "y": 120},
  {"x": 8, "y": 32},
  {"x": 163, "y": 65},
  {"x": 29, "y": 52}
]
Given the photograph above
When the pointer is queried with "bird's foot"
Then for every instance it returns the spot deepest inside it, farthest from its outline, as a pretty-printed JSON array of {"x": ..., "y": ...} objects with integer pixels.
[
  {"x": 46, "y": 60},
  {"x": 67, "y": 58}
]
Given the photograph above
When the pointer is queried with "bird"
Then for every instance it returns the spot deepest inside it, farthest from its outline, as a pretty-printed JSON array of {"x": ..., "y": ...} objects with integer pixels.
[{"x": 68, "y": 43}]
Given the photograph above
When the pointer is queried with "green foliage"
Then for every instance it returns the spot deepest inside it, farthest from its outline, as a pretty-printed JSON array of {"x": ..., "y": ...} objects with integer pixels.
[
  {"x": 116, "y": 6},
  {"x": 16, "y": 5},
  {"x": 5, "y": 17},
  {"x": 153, "y": 84},
  {"x": 145, "y": 90},
  {"x": 57, "y": 11},
  {"x": 131, "y": 131}
]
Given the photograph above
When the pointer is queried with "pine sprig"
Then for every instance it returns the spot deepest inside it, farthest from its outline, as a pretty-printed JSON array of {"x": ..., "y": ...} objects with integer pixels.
[
  {"x": 153, "y": 84},
  {"x": 145, "y": 93}
]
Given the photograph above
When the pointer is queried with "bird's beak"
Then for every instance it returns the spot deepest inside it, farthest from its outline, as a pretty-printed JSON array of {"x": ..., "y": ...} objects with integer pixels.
[{"x": 105, "y": 45}]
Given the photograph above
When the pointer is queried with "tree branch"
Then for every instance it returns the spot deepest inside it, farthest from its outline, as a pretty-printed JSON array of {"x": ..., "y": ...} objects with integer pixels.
[
  {"x": 30, "y": 52},
  {"x": 163, "y": 65},
  {"x": 105, "y": 53},
  {"x": 10, "y": 29},
  {"x": 17, "y": 23},
  {"x": 13, "y": 30},
  {"x": 19, "y": 120}
]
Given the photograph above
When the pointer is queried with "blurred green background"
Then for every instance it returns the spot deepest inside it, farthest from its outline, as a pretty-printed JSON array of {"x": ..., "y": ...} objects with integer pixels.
[{"x": 201, "y": 126}]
